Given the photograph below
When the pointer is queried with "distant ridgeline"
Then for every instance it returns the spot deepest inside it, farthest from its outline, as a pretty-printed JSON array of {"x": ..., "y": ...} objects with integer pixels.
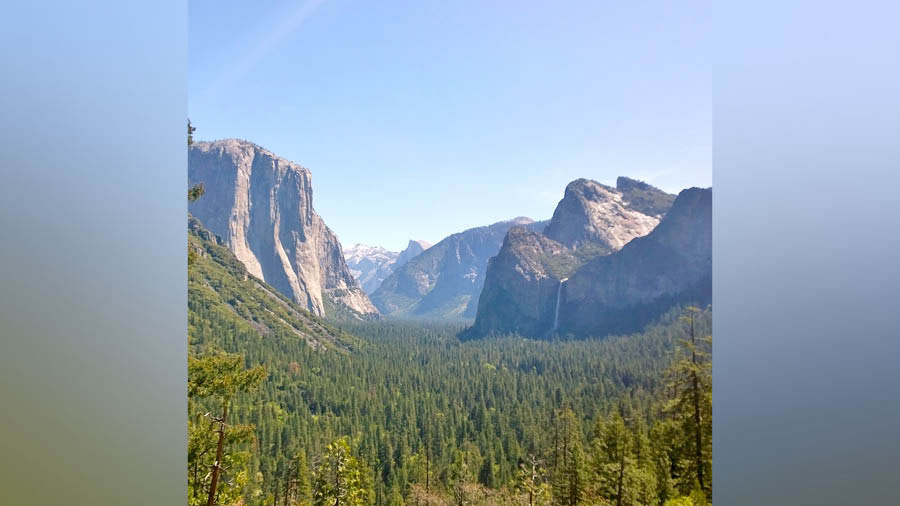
[
  {"x": 444, "y": 281},
  {"x": 611, "y": 261},
  {"x": 370, "y": 265}
]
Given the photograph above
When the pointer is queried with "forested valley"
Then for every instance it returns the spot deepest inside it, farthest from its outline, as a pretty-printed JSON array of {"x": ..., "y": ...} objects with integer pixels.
[{"x": 286, "y": 408}]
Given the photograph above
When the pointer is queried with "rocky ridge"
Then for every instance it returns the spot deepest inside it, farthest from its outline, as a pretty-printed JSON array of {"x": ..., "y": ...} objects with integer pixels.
[
  {"x": 528, "y": 284},
  {"x": 444, "y": 282},
  {"x": 370, "y": 265}
]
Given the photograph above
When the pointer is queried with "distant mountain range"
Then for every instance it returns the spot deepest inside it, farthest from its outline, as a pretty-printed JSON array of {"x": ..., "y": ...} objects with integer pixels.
[
  {"x": 370, "y": 265},
  {"x": 444, "y": 281},
  {"x": 610, "y": 260}
]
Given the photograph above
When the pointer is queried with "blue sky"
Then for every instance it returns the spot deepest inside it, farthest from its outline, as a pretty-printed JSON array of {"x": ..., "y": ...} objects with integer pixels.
[{"x": 419, "y": 119}]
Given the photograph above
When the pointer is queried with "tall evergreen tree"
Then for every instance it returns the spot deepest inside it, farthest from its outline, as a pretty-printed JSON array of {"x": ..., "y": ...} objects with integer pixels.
[
  {"x": 341, "y": 479},
  {"x": 532, "y": 484},
  {"x": 691, "y": 407},
  {"x": 220, "y": 376}
]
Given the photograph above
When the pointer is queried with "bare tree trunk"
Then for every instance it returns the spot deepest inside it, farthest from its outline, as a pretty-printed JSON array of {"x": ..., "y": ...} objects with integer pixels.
[{"x": 220, "y": 446}]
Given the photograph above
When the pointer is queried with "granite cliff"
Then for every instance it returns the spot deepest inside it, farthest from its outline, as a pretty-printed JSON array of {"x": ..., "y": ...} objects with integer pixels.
[
  {"x": 261, "y": 205},
  {"x": 444, "y": 281},
  {"x": 608, "y": 261}
]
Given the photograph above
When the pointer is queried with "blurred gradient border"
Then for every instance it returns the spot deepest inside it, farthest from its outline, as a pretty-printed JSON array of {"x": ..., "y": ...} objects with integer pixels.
[
  {"x": 93, "y": 345},
  {"x": 93, "y": 275}
]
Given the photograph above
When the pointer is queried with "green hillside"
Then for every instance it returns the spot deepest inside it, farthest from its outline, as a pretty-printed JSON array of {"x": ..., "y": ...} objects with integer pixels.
[{"x": 225, "y": 300}]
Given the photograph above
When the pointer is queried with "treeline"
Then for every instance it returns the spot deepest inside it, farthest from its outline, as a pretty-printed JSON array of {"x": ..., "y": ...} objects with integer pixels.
[{"x": 416, "y": 417}]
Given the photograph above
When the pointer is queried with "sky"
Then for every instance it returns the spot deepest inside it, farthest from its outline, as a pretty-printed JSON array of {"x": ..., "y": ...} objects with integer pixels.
[{"x": 423, "y": 118}]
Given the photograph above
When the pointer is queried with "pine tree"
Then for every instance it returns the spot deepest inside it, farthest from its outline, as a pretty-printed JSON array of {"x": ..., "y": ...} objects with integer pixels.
[
  {"x": 297, "y": 487},
  {"x": 532, "y": 484},
  {"x": 220, "y": 376},
  {"x": 341, "y": 479},
  {"x": 190, "y": 132},
  {"x": 486, "y": 474},
  {"x": 618, "y": 474},
  {"x": 196, "y": 191},
  {"x": 691, "y": 408},
  {"x": 569, "y": 482}
]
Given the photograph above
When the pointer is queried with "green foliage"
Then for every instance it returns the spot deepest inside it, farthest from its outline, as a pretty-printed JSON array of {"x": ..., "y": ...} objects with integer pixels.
[
  {"x": 221, "y": 375},
  {"x": 696, "y": 498},
  {"x": 532, "y": 484},
  {"x": 228, "y": 305},
  {"x": 409, "y": 396},
  {"x": 645, "y": 198},
  {"x": 195, "y": 192},
  {"x": 564, "y": 265},
  {"x": 341, "y": 479},
  {"x": 190, "y": 132},
  {"x": 690, "y": 408}
]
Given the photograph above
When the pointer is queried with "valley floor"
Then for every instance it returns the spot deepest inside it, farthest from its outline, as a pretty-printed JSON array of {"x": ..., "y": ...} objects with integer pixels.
[{"x": 427, "y": 419}]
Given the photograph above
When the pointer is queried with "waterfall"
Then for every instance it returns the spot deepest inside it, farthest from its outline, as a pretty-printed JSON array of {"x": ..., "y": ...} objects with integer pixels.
[{"x": 558, "y": 297}]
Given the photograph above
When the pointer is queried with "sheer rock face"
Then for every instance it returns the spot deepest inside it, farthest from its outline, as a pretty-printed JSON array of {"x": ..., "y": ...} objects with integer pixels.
[
  {"x": 521, "y": 285},
  {"x": 527, "y": 288},
  {"x": 261, "y": 207},
  {"x": 444, "y": 281},
  {"x": 650, "y": 274},
  {"x": 370, "y": 265},
  {"x": 592, "y": 212}
]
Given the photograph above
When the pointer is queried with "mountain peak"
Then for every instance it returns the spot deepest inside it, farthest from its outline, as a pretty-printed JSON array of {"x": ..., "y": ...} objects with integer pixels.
[
  {"x": 420, "y": 243},
  {"x": 590, "y": 212},
  {"x": 625, "y": 183},
  {"x": 237, "y": 148},
  {"x": 646, "y": 198}
]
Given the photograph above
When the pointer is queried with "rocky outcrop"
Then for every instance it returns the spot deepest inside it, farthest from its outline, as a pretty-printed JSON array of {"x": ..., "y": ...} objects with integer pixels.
[
  {"x": 594, "y": 213},
  {"x": 413, "y": 249},
  {"x": 261, "y": 206},
  {"x": 625, "y": 290},
  {"x": 519, "y": 294},
  {"x": 528, "y": 282},
  {"x": 444, "y": 281},
  {"x": 370, "y": 265}
]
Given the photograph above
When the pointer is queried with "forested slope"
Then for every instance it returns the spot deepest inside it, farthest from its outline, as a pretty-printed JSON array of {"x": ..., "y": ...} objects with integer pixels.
[{"x": 418, "y": 417}]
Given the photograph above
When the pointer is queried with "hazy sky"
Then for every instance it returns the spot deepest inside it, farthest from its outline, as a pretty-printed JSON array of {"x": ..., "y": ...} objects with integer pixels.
[{"x": 419, "y": 119}]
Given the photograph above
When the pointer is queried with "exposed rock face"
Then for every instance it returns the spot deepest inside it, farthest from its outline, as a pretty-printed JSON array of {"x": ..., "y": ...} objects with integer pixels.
[
  {"x": 413, "y": 249},
  {"x": 521, "y": 284},
  {"x": 528, "y": 281},
  {"x": 261, "y": 207},
  {"x": 622, "y": 291},
  {"x": 218, "y": 283},
  {"x": 595, "y": 213},
  {"x": 370, "y": 265},
  {"x": 444, "y": 281}
]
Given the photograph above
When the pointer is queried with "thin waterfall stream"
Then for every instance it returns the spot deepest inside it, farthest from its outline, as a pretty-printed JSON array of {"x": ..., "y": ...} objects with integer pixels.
[{"x": 558, "y": 297}]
